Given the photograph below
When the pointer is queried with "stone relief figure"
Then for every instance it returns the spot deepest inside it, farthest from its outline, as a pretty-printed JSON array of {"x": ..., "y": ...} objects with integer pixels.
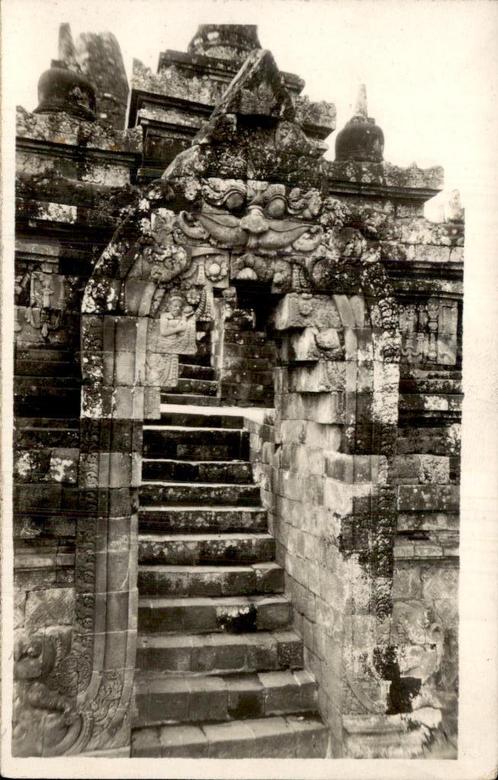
[{"x": 175, "y": 335}]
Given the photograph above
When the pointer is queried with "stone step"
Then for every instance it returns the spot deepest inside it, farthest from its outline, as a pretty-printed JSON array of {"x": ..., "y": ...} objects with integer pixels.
[
  {"x": 243, "y": 375},
  {"x": 160, "y": 699},
  {"x": 201, "y": 386},
  {"x": 256, "y": 578},
  {"x": 430, "y": 385},
  {"x": 44, "y": 436},
  {"x": 202, "y": 358},
  {"x": 49, "y": 368},
  {"x": 247, "y": 394},
  {"x": 257, "y": 340},
  {"x": 186, "y": 443},
  {"x": 47, "y": 354},
  {"x": 234, "y": 363},
  {"x": 294, "y": 736},
  {"x": 47, "y": 401},
  {"x": 40, "y": 384},
  {"x": 205, "y": 549},
  {"x": 206, "y": 493},
  {"x": 243, "y": 352},
  {"x": 226, "y": 471},
  {"x": 189, "y": 400},
  {"x": 48, "y": 422},
  {"x": 232, "y": 614},
  {"x": 196, "y": 420},
  {"x": 217, "y": 653},
  {"x": 168, "y": 519},
  {"x": 196, "y": 371}
]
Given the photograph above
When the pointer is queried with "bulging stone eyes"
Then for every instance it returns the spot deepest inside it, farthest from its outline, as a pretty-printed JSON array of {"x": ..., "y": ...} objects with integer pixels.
[
  {"x": 276, "y": 207},
  {"x": 234, "y": 201}
]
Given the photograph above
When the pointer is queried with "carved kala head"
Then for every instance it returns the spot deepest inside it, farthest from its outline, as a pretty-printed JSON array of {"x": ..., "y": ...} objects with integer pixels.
[{"x": 258, "y": 216}]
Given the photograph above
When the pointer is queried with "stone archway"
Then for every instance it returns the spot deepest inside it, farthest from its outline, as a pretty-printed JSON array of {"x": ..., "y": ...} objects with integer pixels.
[{"x": 247, "y": 201}]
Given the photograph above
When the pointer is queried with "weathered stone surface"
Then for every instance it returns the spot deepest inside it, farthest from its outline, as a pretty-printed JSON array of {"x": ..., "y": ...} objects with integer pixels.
[{"x": 61, "y": 128}]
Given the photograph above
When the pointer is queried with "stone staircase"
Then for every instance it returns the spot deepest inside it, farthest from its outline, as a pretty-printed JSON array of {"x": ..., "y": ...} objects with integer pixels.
[{"x": 220, "y": 669}]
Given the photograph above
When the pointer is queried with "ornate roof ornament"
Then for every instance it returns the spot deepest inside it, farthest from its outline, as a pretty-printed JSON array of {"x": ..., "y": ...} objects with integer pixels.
[{"x": 252, "y": 132}]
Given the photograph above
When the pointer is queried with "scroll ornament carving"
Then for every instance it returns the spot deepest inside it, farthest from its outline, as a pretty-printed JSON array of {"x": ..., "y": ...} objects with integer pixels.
[{"x": 44, "y": 720}]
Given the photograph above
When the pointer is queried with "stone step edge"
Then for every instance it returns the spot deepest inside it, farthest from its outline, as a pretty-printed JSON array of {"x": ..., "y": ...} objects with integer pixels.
[
  {"x": 239, "y": 536},
  {"x": 151, "y": 681},
  {"x": 202, "y": 739},
  {"x": 226, "y": 411},
  {"x": 187, "y": 615},
  {"x": 58, "y": 428},
  {"x": 194, "y": 462},
  {"x": 204, "y": 400},
  {"x": 167, "y": 640},
  {"x": 160, "y": 602},
  {"x": 163, "y": 483},
  {"x": 202, "y": 429},
  {"x": 201, "y": 508},
  {"x": 281, "y": 693}
]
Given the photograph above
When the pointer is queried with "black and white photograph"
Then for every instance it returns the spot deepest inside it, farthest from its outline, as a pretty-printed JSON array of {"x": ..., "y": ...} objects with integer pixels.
[{"x": 249, "y": 472}]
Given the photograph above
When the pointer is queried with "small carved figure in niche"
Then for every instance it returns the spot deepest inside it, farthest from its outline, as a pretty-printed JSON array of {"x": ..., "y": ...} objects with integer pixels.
[{"x": 177, "y": 336}]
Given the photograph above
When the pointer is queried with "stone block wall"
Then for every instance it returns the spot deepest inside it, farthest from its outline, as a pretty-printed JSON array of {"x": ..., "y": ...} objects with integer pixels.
[
  {"x": 321, "y": 488},
  {"x": 290, "y": 468}
]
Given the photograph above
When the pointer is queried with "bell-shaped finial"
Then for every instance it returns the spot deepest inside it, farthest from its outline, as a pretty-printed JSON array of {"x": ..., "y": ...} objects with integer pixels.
[
  {"x": 63, "y": 88},
  {"x": 360, "y": 139}
]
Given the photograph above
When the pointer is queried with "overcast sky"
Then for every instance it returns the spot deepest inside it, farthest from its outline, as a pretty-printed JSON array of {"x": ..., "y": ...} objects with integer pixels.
[{"x": 430, "y": 67}]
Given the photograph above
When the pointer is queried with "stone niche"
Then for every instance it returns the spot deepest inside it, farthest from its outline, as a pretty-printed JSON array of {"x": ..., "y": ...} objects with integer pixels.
[{"x": 339, "y": 256}]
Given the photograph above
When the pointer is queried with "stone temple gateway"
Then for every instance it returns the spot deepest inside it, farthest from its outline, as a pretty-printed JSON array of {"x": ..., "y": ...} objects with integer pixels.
[{"x": 237, "y": 419}]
